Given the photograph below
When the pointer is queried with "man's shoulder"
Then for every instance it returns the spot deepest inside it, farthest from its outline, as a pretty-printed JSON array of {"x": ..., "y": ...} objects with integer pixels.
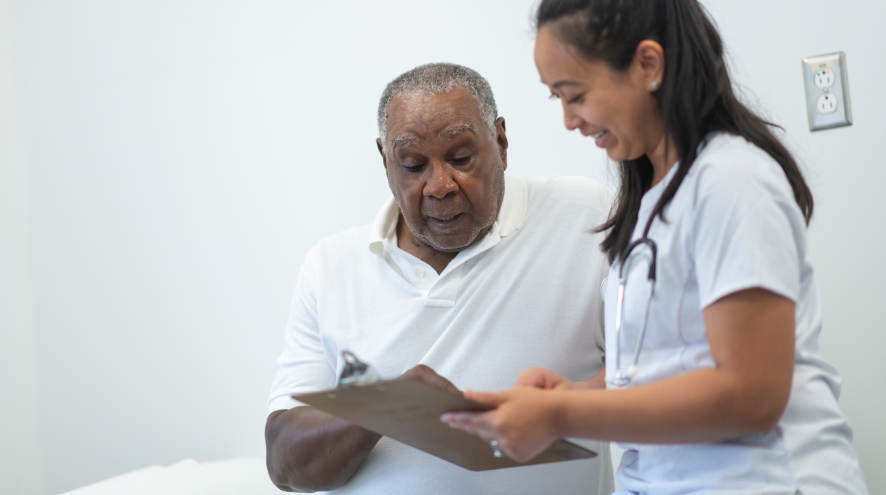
[
  {"x": 345, "y": 245},
  {"x": 570, "y": 192},
  {"x": 574, "y": 188}
]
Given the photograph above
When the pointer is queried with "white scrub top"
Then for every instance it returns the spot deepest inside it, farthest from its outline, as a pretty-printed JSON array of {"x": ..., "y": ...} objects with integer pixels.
[{"x": 733, "y": 225}]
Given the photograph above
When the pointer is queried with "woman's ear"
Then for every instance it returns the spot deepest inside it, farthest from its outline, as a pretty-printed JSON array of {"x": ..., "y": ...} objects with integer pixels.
[{"x": 649, "y": 60}]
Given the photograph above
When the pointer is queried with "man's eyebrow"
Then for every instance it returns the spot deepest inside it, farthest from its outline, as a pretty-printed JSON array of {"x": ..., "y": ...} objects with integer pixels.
[
  {"x": 457, "y": 129},
  {"x": 403, "y": 141}
]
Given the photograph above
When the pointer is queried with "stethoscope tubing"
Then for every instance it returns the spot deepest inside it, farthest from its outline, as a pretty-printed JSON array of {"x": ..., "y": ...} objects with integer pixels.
[{"x": 622, "y": 379}]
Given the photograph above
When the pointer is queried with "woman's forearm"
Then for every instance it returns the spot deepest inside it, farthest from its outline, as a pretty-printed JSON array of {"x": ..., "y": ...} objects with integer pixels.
[
  {"x": 751, "y": 334},
  {"x": 702, "y": 406}
]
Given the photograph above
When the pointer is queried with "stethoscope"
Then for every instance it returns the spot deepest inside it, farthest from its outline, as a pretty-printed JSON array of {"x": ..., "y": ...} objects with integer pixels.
[{"x": 624, "y": 378}]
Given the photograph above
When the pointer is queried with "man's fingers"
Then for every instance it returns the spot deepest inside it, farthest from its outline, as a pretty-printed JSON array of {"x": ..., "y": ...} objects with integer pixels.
[{"x": 428, "y": 375}]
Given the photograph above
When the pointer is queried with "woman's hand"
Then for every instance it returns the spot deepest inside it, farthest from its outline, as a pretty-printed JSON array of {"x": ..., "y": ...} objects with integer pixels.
[
  {"x": 524, "y": 421},
  {"x": 548, "y": 380},
  {"x": 751, "y": 334},
  {"x": 542, "y": 378}
]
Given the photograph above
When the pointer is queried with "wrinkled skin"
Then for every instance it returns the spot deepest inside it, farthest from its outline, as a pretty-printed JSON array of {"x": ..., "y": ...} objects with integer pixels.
[
  {"x": 446, "y": 171},
  {"x": 309, "y": 450}
]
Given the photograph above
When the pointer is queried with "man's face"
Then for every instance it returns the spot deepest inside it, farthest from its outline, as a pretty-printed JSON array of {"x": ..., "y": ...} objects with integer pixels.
[{"x": 445, "y": 167}]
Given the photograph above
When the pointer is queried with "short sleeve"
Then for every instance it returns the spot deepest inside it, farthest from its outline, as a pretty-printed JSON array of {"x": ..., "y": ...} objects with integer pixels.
[
  {"x": 748, "y": 231},
  {"x": 302, "y": 367}
]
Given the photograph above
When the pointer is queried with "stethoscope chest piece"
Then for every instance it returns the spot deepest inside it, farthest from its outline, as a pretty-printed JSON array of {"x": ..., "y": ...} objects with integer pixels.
[{"x": 622, "y": 379}]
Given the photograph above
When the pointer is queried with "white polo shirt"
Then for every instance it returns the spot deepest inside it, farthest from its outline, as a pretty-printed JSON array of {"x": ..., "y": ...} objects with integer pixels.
[{"x": 528, "y": 294}]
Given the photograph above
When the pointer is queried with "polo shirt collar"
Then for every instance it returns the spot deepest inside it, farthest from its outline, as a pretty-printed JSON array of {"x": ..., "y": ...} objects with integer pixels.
[{"x": 510, "y": 215}]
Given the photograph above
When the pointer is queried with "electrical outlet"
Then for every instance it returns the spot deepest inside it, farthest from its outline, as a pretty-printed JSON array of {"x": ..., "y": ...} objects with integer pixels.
[
  {"x": 827, "y": 104},
  {"x": 827, "y": 91},
  {"x": 824, "y": 78}
]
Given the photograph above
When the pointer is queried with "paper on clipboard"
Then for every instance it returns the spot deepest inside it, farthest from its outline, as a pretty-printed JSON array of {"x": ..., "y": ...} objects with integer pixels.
[{"x": 408, "y": 410}]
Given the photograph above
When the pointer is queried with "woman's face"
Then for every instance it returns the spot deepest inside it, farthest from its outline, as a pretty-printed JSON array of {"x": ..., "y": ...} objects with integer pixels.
[{"x": 617, "y": 109}]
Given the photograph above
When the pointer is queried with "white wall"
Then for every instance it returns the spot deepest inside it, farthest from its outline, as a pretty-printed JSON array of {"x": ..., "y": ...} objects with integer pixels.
[
  {"x": 20, "y": 462},
  {"x": 178, "y": 158}
]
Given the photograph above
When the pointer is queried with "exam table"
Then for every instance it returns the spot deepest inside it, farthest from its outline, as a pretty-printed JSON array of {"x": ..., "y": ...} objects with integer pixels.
[{"x": 244, "y": 476}]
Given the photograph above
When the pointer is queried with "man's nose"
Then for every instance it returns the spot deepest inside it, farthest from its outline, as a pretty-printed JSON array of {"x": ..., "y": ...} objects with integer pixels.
[{"x": 441, "y": 183}]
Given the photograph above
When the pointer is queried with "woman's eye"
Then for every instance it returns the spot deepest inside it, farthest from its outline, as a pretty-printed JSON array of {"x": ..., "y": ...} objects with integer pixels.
[
  {"x": 575, "y": 99},
  {"x": 413, "y": 167}
]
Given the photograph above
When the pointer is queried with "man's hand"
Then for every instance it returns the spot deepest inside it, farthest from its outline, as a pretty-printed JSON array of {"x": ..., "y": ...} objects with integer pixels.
[
  {"x": 429, "y": 376},
  {"x": 309, "y": 450}
]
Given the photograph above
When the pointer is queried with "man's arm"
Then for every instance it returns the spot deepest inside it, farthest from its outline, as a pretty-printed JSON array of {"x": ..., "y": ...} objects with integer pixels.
[{"x": 309, "y": 450}]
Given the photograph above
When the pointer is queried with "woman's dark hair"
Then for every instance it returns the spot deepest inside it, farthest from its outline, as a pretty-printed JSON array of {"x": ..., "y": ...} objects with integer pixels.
[{"x": 696, "y": 95}]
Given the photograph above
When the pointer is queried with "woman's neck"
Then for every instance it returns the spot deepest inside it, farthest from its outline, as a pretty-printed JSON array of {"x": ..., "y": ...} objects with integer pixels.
[{"x": 663, "y": 157}]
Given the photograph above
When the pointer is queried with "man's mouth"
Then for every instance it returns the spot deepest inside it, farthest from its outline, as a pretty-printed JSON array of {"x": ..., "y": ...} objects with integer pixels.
[{"x": 443, "y": 221}]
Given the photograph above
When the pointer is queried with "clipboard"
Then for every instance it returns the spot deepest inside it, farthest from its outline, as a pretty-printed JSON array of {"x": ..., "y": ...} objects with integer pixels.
[{"x": 408, "y": 410}]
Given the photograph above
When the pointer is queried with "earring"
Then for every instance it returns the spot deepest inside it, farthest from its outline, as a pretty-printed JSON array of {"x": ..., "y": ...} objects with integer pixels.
[{"x": 653, "y": 86}]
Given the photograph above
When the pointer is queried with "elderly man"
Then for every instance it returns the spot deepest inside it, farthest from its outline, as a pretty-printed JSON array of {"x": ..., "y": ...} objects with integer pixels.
[{"x": 466, "y": 272}]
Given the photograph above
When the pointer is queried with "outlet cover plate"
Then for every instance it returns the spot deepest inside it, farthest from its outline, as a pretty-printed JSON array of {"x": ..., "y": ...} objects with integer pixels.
[{"x": 827, "y": 91}]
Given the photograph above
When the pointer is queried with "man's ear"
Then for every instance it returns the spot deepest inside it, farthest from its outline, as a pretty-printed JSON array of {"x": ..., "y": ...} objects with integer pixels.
[
  {"x": 501, "y": 139},
  {"x": 381, "y": 151}
]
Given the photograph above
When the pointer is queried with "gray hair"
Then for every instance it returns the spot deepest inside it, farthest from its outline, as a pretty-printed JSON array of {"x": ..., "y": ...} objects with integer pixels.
[{"x": 439, "y": 78}]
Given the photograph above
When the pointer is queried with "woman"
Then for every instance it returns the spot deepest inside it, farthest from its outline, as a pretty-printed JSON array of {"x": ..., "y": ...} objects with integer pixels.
[{"x": 713, "y": 381}]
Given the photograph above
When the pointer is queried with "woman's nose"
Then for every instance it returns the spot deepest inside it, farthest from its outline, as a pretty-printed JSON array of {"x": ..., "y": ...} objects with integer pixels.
[{"x": 570, "y": 119}]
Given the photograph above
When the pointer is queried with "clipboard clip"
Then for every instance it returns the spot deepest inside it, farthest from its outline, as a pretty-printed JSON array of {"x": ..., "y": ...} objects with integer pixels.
[{"x": 355, "y": 371}]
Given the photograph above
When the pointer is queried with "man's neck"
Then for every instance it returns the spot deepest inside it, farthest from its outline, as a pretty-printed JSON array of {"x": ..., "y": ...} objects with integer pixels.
[{"x": 414, "y": 246}]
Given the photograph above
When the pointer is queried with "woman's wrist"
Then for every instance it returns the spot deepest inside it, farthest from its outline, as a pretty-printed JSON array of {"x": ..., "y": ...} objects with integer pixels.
[
  {"x": 557, "y": 412},
  {"x": 585, "y": 385}
]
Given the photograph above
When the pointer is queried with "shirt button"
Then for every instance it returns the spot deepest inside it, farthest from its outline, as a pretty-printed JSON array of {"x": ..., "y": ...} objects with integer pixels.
[{"x": 420, "y": 273}]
